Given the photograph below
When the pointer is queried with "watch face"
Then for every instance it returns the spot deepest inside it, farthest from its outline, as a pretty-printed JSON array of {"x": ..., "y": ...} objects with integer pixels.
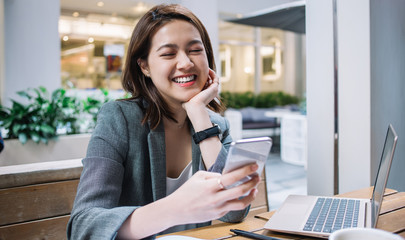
[
  {"x": 220, "y": 132},
  {"x": 219, "y": 129}
]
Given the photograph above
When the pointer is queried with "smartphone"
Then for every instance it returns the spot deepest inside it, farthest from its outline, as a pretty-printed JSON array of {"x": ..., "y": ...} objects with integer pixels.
[{"x": 247, "y": 151}]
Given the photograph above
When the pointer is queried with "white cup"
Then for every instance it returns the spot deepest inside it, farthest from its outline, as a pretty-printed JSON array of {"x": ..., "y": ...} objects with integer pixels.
[{"x": 363, "y": 233}]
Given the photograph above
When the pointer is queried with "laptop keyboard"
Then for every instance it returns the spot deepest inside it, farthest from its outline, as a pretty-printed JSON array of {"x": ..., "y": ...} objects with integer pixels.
[{"x": 332, "y": 214}]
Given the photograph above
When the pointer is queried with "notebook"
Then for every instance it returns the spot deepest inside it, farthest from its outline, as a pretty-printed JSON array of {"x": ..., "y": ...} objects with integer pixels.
[{"x": 320, "y": 216}]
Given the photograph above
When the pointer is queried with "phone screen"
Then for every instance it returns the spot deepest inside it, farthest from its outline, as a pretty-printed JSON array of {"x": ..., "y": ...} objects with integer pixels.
[{"x": 247, "y": 151}]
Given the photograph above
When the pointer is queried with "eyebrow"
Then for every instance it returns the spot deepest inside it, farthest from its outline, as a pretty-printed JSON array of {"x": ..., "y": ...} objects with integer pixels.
[{"x": 172, "y": 45}]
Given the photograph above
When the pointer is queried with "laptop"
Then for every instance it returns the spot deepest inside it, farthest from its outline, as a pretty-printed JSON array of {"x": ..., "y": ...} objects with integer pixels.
[{"x": 320, "y": 216}]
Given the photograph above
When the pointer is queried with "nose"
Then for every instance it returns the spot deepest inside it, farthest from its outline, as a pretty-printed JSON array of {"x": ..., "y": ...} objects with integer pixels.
[{"x": 184, "y": 62}]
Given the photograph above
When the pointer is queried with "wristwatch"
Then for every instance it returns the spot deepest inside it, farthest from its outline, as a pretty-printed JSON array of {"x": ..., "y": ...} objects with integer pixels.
[{"x": 207, "y": 133}]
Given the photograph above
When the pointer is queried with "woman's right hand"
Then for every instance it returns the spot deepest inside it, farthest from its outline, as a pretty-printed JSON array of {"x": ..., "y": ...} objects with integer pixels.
[{"x": 203, "y": 198}]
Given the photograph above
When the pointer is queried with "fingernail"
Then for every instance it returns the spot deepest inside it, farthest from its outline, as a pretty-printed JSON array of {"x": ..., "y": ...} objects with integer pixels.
[
  {"x": 255, "y": 192},
  {"x": 254, "y": 167}
]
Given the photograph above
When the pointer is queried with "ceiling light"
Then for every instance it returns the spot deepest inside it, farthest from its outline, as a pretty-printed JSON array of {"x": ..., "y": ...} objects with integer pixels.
[
  {"x": 100, "y": 4},
  {"x": 248, "y": 70},
  {"x": 267, "y": 51},
  {"x": 90, "y": 40},
  {"x": 75, "y": 14},
  {"x": 114, "y": 19},
  {"x": 65, "y": 38}
]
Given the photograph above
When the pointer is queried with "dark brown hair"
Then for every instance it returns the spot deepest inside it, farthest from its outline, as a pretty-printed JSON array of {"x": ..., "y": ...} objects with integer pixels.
[{"x": 140, "y": 86}]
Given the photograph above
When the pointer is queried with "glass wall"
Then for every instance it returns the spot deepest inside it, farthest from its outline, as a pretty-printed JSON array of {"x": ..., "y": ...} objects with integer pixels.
[
  {"x": 93, "y": 50},
  {"x": 258, "y": 59}
]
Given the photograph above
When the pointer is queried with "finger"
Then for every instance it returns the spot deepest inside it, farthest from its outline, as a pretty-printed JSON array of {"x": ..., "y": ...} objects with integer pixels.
[
  {"x": 239, "y": 204},
  {"x": 226, "y": 195},
  {"x": 209, "y": 93},
  {"x": 236, "y": 175},
  {"x": 213, "y": 175},
  {"x": 212, "y": 180},
  {"x": 208, "y": 175},
  {"x": 238, "y": 191},
  {"x": 209, "y": 80},
  {"x": 214, "y": 76}
]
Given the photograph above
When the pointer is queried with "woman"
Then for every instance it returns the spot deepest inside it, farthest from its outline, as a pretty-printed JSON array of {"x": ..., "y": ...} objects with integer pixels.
[{"x": 143, "y": 173}]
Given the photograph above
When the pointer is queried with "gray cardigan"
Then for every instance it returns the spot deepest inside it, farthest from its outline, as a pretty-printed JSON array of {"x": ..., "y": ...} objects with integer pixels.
[{"x": 125, "y": 168}]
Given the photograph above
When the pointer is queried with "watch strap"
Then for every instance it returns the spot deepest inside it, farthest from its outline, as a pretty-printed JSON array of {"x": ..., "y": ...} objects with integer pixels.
[{"x": 207, "y": 133}]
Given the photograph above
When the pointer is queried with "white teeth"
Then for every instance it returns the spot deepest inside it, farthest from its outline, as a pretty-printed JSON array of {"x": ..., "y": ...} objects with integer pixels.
[{"x": 184, "y": 79}]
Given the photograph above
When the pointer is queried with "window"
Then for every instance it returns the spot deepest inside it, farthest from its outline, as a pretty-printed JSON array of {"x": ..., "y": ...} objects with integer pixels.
[
  {"x": 237, "y": 67},
  {"x": 246, "y": 51}
]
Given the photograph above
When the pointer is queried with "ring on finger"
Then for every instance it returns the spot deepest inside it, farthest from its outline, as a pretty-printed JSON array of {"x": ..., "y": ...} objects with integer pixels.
[{"x": 221, "y": 186}]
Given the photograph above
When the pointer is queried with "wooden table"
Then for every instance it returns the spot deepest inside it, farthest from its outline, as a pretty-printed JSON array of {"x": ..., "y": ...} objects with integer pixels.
[{"x": 392, "y": 219}]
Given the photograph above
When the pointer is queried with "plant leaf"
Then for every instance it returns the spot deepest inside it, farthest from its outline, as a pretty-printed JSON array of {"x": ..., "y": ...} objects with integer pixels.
[
  {"x": 44, "y": 140},
  {"x": 24, "y": 94},
  {"x": 35, "y": 136},
  {"x": 47, "y": 129},
  {"x": 16, "y": 129},
  {"x": 22, "y": 137}
]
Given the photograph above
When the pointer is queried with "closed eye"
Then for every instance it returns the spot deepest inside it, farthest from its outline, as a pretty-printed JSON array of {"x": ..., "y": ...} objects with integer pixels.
[
  {"x": 196, "y": 50},
  {"x": 167, "y": 54}
]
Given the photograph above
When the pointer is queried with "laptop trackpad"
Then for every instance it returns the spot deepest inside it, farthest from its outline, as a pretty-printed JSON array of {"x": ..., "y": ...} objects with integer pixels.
[
  {"x": 292, "y": 214},
  {"x": 294, "y": 209}
]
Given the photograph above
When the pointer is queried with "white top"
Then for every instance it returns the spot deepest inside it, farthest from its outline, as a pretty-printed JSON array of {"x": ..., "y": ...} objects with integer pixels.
[{"x": 172, "y": 184}]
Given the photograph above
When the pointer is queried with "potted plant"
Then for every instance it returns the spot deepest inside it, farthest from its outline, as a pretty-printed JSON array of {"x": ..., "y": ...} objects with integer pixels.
[
  {"x": 48, "y": 127},
  {"x": 40, "y": 118}
]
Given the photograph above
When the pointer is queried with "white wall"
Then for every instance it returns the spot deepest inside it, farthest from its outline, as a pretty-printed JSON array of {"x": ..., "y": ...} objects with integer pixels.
[
  {"x": 371, "y": 87},
  {"x": 352, "y": 53},
  {"x": 2, "y": 64},
  {"x": 320, "y": 96},
  {"x": 388, "y": 84},
  {"x": 32, "y": 46},
  {"x": 353, "y": 21}
]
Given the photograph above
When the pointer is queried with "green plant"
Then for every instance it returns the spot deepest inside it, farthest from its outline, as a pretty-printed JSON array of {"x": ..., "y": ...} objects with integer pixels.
[
  {"x": 261, "y": 100},
  {"x": 237, "y": 100},
  {"x": 91, "y": 105},
  {"x": 42, "y": 115}
]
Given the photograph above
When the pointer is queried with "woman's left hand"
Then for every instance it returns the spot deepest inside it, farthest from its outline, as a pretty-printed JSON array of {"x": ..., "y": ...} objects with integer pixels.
[{"x": 196, "y": 109}]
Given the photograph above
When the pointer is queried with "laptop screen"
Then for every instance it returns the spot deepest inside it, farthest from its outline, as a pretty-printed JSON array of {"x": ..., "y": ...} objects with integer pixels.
[{"x": 382, "y": 174}]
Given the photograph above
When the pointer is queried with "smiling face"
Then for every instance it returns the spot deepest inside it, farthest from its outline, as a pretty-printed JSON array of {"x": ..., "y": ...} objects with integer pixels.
[{"x": 177, "y": 62}]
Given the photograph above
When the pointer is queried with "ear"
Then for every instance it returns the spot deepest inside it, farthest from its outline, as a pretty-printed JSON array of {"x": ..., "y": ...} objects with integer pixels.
[{"x": 144, "y": 67}]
